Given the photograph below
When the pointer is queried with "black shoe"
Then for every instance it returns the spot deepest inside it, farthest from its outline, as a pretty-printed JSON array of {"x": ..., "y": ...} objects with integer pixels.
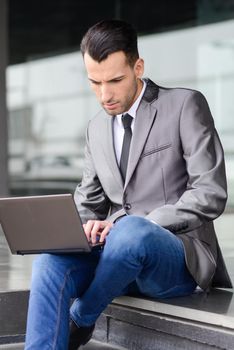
[{"x": 79, "y": 335}]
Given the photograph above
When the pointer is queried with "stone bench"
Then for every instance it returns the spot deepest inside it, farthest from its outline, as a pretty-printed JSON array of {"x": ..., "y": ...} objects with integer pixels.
[{"x": 199, "y": 321}]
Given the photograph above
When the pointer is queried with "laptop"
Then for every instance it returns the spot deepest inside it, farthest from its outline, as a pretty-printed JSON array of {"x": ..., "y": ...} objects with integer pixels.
[{"x": 43, "y": 224}]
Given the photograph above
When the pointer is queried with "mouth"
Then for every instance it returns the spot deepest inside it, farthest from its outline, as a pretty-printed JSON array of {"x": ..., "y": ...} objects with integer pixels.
[{"x": 110, "y": 106}]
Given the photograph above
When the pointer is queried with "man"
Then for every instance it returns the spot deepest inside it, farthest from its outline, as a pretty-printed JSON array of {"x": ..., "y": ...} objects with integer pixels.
[{"x": 154, "y": 181}]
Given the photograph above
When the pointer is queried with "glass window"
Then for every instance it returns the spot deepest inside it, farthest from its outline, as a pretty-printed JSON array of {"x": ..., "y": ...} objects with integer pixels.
[{"x": 50, "y": 101}]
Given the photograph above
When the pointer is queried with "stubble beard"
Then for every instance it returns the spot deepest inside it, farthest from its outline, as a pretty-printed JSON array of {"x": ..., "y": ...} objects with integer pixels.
[{"x": 126, "y": 105}]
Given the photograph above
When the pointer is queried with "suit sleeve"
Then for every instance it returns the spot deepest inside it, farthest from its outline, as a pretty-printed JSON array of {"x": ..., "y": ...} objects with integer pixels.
[
  {"x": 205, "y": 196},
  {"x": 90, "y": 199}
]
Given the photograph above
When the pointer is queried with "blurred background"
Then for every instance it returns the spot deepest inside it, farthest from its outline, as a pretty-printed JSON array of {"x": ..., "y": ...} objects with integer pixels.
[{"x": 48, "y": 99}]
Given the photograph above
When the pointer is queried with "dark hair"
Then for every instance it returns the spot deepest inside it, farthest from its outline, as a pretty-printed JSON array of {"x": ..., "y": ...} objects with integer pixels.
[{"x": 109, "y": 36}]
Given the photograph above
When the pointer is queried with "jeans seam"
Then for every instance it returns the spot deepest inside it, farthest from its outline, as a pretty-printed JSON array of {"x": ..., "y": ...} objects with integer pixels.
[{"x": 59, "y": 306}]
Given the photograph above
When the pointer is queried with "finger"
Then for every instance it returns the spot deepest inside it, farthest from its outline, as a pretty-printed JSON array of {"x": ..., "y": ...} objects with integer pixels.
[
  {"x": 104, "y": 234},
  {"x": 105, "y": 231},
  {"x": 88, "y": 228},
  {"x": 95, "y": 231}
]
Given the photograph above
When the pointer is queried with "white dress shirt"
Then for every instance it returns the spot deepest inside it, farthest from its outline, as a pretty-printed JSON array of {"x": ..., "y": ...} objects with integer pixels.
[{"x": 118, "y": 125}]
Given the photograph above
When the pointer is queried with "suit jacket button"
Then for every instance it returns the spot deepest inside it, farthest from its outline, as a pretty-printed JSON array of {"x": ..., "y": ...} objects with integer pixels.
[{"x": 127, "y": 206}]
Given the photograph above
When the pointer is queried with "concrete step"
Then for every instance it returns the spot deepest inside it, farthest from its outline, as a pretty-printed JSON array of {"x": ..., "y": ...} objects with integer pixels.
[
  {"x": 19, "y": 346},
  {"x": 197, "y": 322},
  {"x": 96, "y": 345},
  {"x": 92, "y": 345}
]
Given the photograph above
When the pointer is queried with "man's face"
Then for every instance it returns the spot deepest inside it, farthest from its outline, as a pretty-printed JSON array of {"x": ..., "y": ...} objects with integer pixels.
[{"x": 115, "y": 83}]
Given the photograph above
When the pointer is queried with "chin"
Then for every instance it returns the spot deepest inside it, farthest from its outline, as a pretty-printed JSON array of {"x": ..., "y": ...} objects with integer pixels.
[{"x": 112, "y": 113}]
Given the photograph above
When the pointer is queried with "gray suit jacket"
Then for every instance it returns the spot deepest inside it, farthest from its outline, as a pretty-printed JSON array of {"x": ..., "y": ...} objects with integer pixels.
[{"x": 175, "y": 176}]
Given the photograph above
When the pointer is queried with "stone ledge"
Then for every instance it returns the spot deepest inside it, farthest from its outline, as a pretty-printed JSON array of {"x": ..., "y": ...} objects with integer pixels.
[
  {"x": 92, "y": 345},
  {"x": 13, "y": 306},
  {"x": 18, "y": 346},
  {"x": 215, "y": 308},
  {"x": 197, "y": 322},
  {"x": 134, "y": 329}
]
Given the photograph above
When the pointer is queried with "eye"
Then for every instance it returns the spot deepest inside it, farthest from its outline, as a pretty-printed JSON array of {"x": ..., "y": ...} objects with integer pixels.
[
  {"x": 94, "y": 82},
  {"x": 117, "y": 80}
]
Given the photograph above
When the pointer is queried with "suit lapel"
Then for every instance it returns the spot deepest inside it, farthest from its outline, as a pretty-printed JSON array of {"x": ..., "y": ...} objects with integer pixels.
[
  {"x": 143, "y": 123},
  {"x": 145, "y": 117}
]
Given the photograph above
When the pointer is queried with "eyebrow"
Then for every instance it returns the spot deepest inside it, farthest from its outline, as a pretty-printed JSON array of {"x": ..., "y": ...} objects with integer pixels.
[{"x": 108, "y": 81}]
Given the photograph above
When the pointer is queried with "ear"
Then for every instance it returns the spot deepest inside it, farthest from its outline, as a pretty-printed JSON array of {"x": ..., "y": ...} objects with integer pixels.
[{"x": 139, "y": 68}]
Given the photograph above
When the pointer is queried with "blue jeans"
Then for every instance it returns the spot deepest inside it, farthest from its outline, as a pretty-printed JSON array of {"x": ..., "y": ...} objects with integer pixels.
[{"x": 139, "y": 258}]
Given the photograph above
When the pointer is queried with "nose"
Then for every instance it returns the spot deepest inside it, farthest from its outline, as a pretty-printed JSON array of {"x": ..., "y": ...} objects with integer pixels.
[{"x": 106, "y": 93}]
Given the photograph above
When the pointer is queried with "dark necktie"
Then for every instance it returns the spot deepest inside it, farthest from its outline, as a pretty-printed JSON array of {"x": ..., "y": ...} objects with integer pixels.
[{"x": 126, "y": 120}]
